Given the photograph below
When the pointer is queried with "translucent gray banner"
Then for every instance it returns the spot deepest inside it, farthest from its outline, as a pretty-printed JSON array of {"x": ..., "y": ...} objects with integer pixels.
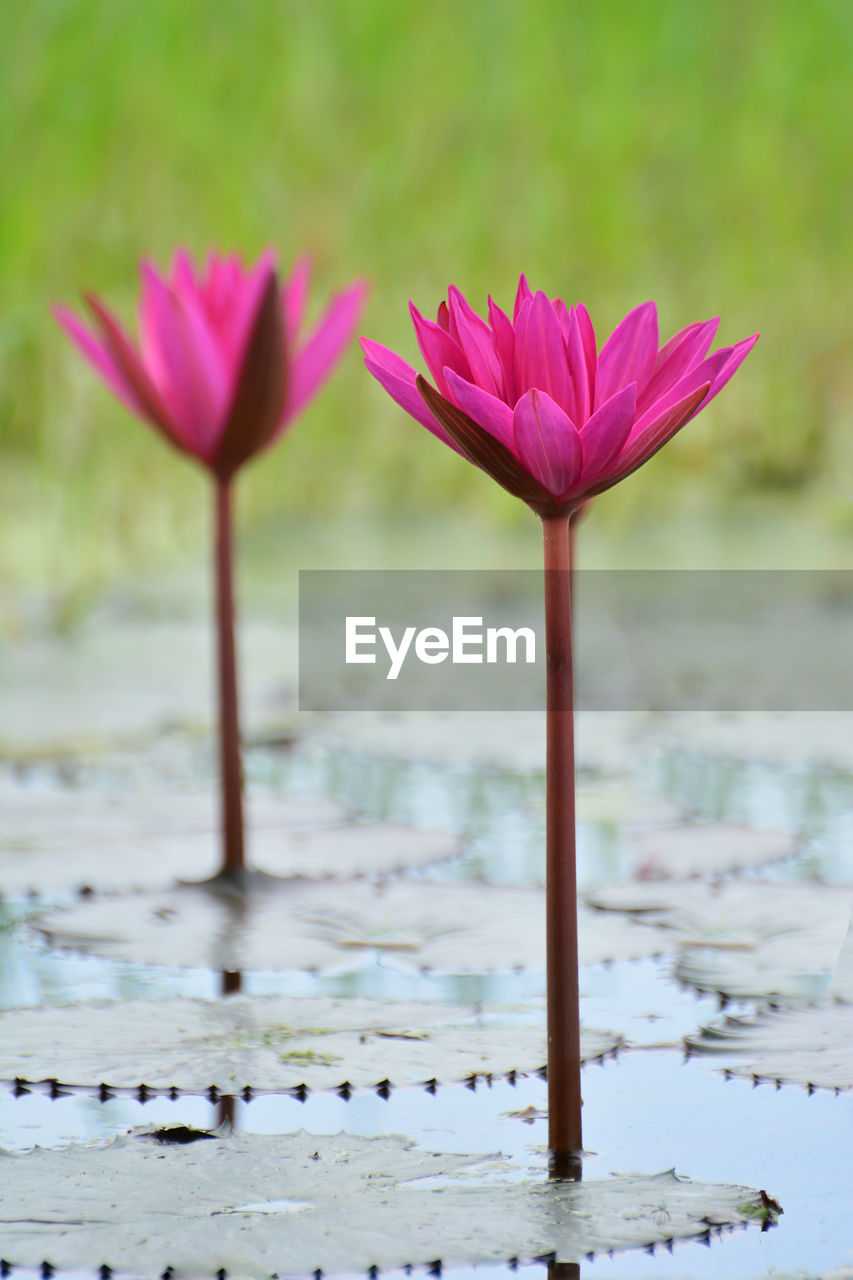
[{"x": 648, "y": 640}]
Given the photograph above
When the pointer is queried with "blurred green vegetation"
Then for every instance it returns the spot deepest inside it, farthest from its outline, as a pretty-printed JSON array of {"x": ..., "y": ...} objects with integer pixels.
[{"x": 627, "y": 149}]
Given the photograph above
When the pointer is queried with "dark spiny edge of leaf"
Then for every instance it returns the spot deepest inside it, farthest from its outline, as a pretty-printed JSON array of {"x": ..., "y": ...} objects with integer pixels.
[
  {"x": 487, "y": 453},
  {"x": 142, "y": 1093},
  {"x": 260, "y": 389}
]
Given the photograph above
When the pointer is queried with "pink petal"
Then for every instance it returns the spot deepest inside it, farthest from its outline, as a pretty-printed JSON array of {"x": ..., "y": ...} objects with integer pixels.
[
  {"x": 546, "y": 441},
  {"x": 564, "y": 315},
  {"x": 606, "y": 432},
  {"x": 314, "y": 362},
  {"x": 522, "y": 294},
  {"x": 504, "y": 340},
  {"x": 739, "y": 352},
  {"x": 127, "y": 361},
  {"x": 579, "y": 402},
  {"x": 181, "y": 357},
  {"x": 589, "y": 349},
  {"x": 257, "y": 401},
  {"x": 710, "y": 371},
  {"x": 438, "y": 349},
  {"x": 442, "y": 319},
  {"x": 98, "y": 356},
  {"x": 398, "y": 379},
  {"x": 676, "y": 358},
  {"x": 246, "y": 290},
  {"x": 295, "y": 295},
  {"x": 540, "y": 353},
  {"x": 476, "y": 341},
  {"x": 645, "y": 441},
  {"x": 487, "y": 411},
  {"x": 629, "y": 353},
  {"x": 182, "y": 275}
]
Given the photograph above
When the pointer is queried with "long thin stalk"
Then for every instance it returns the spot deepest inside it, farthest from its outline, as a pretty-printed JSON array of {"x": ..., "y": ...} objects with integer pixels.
[
  {"x": 233, "y": 861},
  {"x": 564, "y": 1090}
]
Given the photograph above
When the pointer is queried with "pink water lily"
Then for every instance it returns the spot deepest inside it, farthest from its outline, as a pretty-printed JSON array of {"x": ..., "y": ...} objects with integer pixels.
[
  {"x": 532, "y": 401},
  {"x": 222, "y": 364},
  {"x": 221, "y": 368}
]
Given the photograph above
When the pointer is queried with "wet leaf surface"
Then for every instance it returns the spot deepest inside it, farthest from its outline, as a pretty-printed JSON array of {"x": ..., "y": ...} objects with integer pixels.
[
  {"x": 809, "y": 1046},
  {"x": 340, "y": 1203},
  {"x": 56, "y": 839},
  {"x": 695, "y": 849},
  {"x": 274, "y": 1043},
  {"x": 745, "y": 939},
  {"x": 456, "y": 927}
]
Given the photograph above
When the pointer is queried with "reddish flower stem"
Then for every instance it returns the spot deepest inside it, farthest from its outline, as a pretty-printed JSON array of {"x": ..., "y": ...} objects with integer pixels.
[
  {"x": 564, "y": 1091},
  {"x": 231, "y": 778}
]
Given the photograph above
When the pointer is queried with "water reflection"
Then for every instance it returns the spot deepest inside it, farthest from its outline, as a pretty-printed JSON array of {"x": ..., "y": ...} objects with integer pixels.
[{"x": 230, "y": 982}]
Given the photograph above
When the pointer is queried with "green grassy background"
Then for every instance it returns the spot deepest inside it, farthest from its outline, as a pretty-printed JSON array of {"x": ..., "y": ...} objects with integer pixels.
[{"x": 615, "y": 151}]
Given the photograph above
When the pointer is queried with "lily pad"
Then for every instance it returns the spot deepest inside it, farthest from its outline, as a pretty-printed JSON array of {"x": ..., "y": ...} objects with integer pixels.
[
  {"x": 55, "y": 839},
  {"x": 455, "y": 927},
  {"x": 699, "y": 849},
  {"x": 271, "y": 1044},
  {"x": 254, "y": 1205},
  {"x": 809, "y": 1046},
  {"x": 745, "y": 939}
]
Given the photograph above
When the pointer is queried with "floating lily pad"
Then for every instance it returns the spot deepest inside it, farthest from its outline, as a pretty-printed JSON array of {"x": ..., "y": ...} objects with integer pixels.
[
  {"x": 55, "y": 839},
  {"x": 745, "y": 939},
  {"x": 698, "y": 849},
  {"x": 254, "y": 1205},
  {"x": 270, "y": 1043},
  {"x": 809, "y": 1046},
  {"x": 454, "y": 927}
]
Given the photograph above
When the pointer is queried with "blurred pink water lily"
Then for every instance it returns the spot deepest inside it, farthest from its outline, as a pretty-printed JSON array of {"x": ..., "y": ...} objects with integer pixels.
[
  {"x": 222, "y": 366},
  {"x": 533, "y": 402}
]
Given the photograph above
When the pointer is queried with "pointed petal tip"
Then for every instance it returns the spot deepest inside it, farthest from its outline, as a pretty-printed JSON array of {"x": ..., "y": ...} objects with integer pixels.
[{"x": 62, "y": 313}]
